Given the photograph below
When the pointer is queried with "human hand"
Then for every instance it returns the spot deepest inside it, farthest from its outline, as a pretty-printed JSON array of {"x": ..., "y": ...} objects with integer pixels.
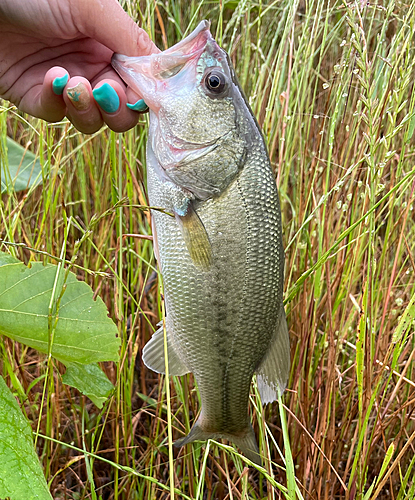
[{"x": 54, "y": 52}]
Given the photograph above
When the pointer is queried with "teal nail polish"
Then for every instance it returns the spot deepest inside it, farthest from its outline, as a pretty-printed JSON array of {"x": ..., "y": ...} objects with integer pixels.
[
  {"x": 140, "y": 105},
  {"x": 107, "y": 98},
  {"x": 59, "y": 83}
]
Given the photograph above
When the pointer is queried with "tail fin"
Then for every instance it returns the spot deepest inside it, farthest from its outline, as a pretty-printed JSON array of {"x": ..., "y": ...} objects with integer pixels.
[{"x": 246, "y": 443}]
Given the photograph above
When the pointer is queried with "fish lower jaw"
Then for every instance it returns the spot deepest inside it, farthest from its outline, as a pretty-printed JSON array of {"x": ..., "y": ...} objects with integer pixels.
[{"x": 176, "y": 153}]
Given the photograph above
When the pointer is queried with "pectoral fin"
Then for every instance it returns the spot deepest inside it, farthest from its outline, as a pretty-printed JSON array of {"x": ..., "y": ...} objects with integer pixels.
[
  {"x": 153, "y": 355},
  {"x": 195, "y": 237},
  {"x": 273, "y": 373},
  {"x": 155, "y": 241}
]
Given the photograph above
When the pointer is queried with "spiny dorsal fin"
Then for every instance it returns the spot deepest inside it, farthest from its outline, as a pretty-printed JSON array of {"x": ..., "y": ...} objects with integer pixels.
[{"x": 195, "y": 237}]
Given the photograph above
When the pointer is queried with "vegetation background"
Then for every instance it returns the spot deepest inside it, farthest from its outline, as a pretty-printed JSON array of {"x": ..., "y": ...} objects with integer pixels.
[{"x": 331, "y": 84}]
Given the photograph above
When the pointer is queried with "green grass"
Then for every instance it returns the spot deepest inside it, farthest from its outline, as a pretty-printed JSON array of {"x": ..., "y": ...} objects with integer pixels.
[{"x": 332, "y": 86}]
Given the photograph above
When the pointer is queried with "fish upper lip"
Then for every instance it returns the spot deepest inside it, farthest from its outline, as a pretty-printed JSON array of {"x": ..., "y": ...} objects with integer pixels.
[{"x": 194, "y": 35}]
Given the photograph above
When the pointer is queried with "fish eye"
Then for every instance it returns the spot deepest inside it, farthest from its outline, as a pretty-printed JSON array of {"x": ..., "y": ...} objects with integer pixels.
[{"x": 215, "y": 82}]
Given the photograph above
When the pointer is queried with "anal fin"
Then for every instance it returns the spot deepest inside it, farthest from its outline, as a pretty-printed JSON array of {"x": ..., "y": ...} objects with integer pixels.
[
  {"x": 153, "y": 355},
  {"x": 273, "y": 373},
  {"x": 195, "y": 236}
]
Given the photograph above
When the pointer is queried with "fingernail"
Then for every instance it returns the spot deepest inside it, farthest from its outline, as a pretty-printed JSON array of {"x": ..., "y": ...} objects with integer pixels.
[
  {"x": 59, "y": 83},
  {"x": 140, "y": 105},
  {"x": 107, "y": 98},
  {"x": 79, "y": 96}
]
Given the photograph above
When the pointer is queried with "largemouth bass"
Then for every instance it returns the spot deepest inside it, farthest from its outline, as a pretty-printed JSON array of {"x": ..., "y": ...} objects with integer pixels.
[{"x": 221, "y": 255}]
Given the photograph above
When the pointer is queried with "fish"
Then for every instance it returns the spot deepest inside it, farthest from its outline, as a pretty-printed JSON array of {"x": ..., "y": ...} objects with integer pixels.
[{"x": 218, "y": 241}]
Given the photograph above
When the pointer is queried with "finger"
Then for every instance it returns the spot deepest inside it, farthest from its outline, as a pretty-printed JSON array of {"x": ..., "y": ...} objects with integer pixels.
[
  {"x": 112, "y": 26},
  {"x": 111, "y": 97},
  {"x": 135, "y": 102},
  {"x": 111, "y": 75},
  {"x": 45, "y": 101},
  {"x": 82, "y": 110}
]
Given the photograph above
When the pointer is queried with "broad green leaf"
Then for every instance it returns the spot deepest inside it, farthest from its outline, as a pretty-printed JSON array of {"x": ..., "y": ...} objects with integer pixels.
[
  {"x": 90, "y": 380},
  {"x": 84, "y": 333},
  {"x": 6, "y": 258},
  {"x": 23, "y": 168},
  {"x": 21, "y": 477}
]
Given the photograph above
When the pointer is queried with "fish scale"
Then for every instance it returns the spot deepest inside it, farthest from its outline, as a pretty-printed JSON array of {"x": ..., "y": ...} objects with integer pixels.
[{"x": 221, "y": 254}]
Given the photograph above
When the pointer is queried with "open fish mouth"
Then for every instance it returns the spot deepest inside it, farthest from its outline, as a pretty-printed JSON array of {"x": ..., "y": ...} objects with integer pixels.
[{"x": 146, "y": 74}]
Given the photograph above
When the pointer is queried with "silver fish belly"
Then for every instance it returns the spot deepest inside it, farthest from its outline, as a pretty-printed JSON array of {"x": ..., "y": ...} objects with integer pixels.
[{"x": 225, "y": 318}]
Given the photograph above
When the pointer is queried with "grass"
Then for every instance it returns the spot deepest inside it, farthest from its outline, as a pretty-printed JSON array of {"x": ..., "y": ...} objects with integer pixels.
[{"x": 331, "y": 83}]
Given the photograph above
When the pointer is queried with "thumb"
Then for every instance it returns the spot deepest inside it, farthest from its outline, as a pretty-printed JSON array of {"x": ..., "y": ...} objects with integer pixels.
[{"x": 108, "y": 23}]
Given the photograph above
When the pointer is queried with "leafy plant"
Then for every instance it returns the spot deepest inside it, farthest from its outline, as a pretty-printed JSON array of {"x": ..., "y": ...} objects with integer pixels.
[
  {"x": 21, "y": 476},
  {"x": 48, "y": 309},
  {"x": 21, "y": 170}
]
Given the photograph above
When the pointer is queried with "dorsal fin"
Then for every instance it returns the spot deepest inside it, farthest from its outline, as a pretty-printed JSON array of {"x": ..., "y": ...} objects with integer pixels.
[{"x": 273, "y": 373}]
